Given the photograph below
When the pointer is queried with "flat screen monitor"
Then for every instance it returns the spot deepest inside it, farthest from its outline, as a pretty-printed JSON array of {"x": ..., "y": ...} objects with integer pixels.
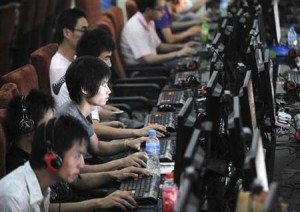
[
  {"x": 254, "y": 164},
  {"x": 214, "y": 92},
  {"x": 186, "y": 120},
  {"x": 248, "y": 112},
  {"x": 267, "y": 88},
  {"x": 236, "y": 144}
]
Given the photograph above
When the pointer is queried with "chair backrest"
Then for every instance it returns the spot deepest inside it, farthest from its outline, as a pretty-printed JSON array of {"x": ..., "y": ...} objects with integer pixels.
[
  {"x": 117, "y": 65},
  {"x": 23, "y": 43},
  {"x": 41, "y": 59},
  {"x": 92, "y": 9},
  {"x": 131, "y": 8},
  {"x": 2, "y": 149},
  {"x": 47, "y": 31},
  {"x": 117, "y": 18},
  {"x": 8, "y": 16},
  {"x": 7, "y": 92}
]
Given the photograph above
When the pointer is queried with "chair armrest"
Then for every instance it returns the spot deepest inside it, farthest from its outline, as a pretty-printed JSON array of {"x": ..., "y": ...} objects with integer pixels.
[{"x": 160, "y": 80}]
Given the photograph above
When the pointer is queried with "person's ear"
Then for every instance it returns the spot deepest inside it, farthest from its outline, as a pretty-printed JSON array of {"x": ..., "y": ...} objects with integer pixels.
[
  {"x": 84, "y": 91},
  {"x": 67, "y": 32}
]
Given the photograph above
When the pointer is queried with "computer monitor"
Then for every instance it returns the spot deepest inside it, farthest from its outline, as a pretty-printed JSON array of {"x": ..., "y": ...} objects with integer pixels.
[
  {"x": 254, "y": 164},
  {"x": 271, "y": 202},
  {"x": 236, "y": 144},
  {"x": 267, "y": 89},
  {"x": 186, "y": 120},
  {"x": 248, "y": 112},
  {"x": 214, "y": 91},
  {"x": 272, "y": 22}
]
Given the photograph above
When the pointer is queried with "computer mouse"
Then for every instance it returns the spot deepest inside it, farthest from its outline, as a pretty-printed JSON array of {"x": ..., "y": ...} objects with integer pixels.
[
  {"x": 166, "y": 108},
  {"x": 167, "y": 134}
]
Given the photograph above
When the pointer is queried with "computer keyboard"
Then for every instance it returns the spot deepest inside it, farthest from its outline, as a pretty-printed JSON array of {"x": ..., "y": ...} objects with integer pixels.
[
  {"x": 167, "y": 150},
  {"x": 176, "y": 98},
  {"x": 166, "y": 119},
  {"x": 180, "y": 77},
  {"x": 144, "y": 189}
]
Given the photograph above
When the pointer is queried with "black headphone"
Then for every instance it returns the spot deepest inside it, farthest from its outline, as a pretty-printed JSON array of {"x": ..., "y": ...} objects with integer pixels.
[
  {"x": 26, "y": 124},
  {"x": 51, "y": 160}
]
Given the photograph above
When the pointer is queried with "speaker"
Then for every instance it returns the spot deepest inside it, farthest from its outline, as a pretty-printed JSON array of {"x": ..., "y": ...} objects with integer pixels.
[
  {"x": 51, "y": 160},
  {"x": 26, "y": 124}
]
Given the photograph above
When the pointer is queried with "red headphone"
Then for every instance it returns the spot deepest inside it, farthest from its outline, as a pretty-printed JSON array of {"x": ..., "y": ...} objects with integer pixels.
[{"x": 51, "y": 160}]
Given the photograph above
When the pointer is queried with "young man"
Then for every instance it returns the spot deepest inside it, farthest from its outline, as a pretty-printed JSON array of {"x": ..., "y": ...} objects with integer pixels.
[
  {"x": 98, "y": 43},
  {"x": 185, "y": 30},
  {"x": 140, "y": 43},
  {"x": 24, "y": 114},
  {"x": 87, "y": 82},
  {"x": 57, "y": 155}
]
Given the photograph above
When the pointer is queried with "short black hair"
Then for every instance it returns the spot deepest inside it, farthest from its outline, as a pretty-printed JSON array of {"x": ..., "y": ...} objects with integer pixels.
[
  {"x": 144, "y": 4},
  {"x": 67, "y": 19},
  {"x": 94, "y": 42},
  {"x": 63, "y": 132},
  {"x": 37, "y": 104},
  {"x": 86, "y": 72}
]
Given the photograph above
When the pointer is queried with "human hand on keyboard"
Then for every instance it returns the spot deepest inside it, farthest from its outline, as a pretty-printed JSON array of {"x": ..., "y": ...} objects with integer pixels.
[
  {"x": 131, "y": 172},
  {"x": 192, "y": 43},
  {"x": 136, "y": 143},
  {"x": 120, "y": 199},
  {"x": 137, "y": 159},
  {"x": 160, "y": 130},
  {"x": 186, "y": 51}
]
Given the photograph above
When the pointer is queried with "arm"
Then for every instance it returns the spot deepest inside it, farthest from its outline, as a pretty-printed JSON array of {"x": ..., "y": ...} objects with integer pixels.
[
  {"x": 103, "y": 131},
  {"x": 137, "y": 159},
  {"x": 181, "y": 25},
  {"x": 120, "y": 199},
  {"x": 175, "y": 38}
]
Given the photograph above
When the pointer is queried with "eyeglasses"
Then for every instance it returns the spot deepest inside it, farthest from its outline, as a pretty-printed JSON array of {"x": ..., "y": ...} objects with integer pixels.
[{"x": 83, "y": 30}]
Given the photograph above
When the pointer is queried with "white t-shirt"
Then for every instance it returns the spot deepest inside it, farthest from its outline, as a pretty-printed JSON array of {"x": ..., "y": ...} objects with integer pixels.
[{"x": 138, "y": 39}]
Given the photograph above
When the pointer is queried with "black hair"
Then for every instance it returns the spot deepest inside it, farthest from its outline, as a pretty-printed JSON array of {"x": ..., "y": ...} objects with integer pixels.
[
  {"x": 144, "y": 4},
  {"x": 37, "y": 104},
  {"x": 67, "y": 19},
  {"x": 64, "y": 132},
  {"x": 94, "y": 42},
  {"x": 86, "y": 72}
]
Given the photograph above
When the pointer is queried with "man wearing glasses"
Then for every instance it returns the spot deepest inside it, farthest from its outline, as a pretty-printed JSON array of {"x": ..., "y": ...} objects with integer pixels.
[{"x": 140, "y": 43}]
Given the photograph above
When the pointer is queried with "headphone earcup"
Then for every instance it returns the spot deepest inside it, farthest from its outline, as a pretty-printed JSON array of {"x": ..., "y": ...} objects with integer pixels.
[
  {"x": 52, "y": 162},
  {"x": 26, "y": 125}
]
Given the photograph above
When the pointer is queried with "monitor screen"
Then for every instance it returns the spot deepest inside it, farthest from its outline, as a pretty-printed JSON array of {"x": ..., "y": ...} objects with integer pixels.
[
  {"x": 214, "y": 92},
  {"x": 276, "y": 19},
  {"x": 254, "y": 164},
  {"x": 186, "y": 120}
]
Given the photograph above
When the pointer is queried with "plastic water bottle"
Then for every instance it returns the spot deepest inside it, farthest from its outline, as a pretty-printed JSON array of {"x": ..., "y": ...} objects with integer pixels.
[
  {"x": 292, "y": 38},
  {"x": 169, "y": 193},
  {"x": 153, "y": 152},
  {"x": 223, "y": 7}
]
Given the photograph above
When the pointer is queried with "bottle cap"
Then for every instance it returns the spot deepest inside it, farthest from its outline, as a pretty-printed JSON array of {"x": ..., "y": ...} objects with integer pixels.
[
  {"x": 292, "y": 28},
  {"x": 152, "y": 133},
  {"x": 170, "y": 176}
]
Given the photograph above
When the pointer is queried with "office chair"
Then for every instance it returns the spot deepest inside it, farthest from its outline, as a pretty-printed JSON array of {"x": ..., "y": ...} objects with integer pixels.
[
  {"x": 47, "y": 30},
  {"x": 92, "y": 9},
  {"x": 41, "y": 59},
  {"x": 7, "y": 27},
  {"x": 23, "y": 42},
  {"x": 131, "y": 8},
  {"x": 24, "y": 77}
]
